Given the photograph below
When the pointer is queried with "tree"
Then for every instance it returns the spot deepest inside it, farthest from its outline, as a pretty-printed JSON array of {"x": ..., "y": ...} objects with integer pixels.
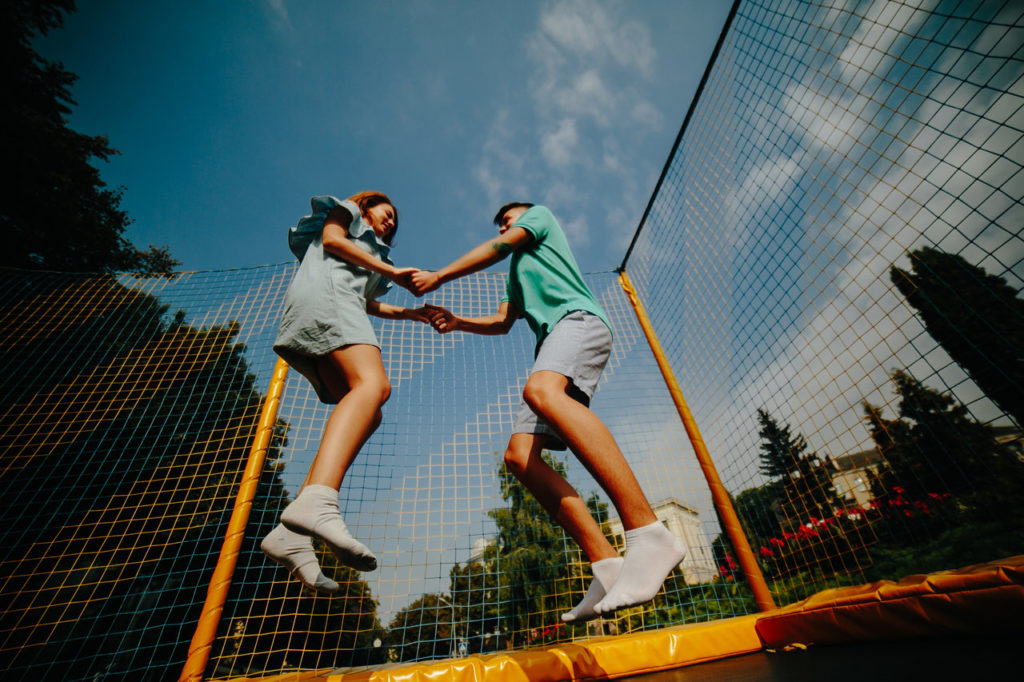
[
  {"x": 424, "y": 629},
  {"x": 54, "y": 209},
  {"x": 976, "y": 317},
  {"x": 780, "y": 450},
  {"x": 535, "y": 557},
  {"x": 935, "y": 447},
  {"x": 805, "y": 482},
  {"x": 125, "y": 433},
  {"x": 754, "y": 508},
  {"x": 478, "y": 590}
]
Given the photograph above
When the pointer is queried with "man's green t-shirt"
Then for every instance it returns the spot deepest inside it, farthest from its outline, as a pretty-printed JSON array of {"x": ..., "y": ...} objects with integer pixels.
[{"x": 544, "y": 283}]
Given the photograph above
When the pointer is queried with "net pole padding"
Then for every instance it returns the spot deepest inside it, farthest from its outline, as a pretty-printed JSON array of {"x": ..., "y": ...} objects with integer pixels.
[
  {"x": 719, "y": 496},
  {"x": 220, "y": 582}
]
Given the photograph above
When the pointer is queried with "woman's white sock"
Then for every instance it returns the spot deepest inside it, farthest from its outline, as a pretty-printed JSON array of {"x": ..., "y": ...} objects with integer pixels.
[
  {"x": 315, "y": 512},
  {"x": 295, "y": 552}
]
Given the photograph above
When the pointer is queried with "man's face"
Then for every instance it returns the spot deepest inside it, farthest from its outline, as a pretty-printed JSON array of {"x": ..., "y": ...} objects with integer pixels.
[{"x": 510, "y": 218}]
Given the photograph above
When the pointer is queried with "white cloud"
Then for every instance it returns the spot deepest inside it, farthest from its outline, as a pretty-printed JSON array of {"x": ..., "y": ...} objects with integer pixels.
[
  {"x": 501, "y": 166},
  {"x": 558, "y": 146},
  {"x": 586, "y": 95},
  {"x": 647, "y": 115},
  {"x": 857, "y": 327},
  {"x": 587, "y": 31},
  {"x": 577, "y": 231},
  {"x": 590, "y": 63},
  {"x": 278, "y": 8}
]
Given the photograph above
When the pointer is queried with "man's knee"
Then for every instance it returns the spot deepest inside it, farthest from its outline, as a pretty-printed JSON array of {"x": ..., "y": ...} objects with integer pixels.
[{"x": 539, "y": 393}]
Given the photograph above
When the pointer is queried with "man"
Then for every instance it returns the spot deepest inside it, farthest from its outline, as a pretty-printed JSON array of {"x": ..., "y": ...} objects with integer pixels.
[{"x": 573, "y": 344}]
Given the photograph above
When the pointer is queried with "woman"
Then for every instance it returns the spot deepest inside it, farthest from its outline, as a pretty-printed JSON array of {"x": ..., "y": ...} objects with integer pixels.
[{"x": 326, "y": 335}]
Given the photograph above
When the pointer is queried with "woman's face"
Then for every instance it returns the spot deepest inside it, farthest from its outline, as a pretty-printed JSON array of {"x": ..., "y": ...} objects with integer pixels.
[{"x": 381, "y": 218}]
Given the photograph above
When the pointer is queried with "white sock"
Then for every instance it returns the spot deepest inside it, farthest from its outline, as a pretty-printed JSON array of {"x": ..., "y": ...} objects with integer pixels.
[
  {"x": 295, "y": 552},
  {"x": 651, "y": 553},
  {"x": 315, "y": 512},
  {"x": 605, "y": 573}
]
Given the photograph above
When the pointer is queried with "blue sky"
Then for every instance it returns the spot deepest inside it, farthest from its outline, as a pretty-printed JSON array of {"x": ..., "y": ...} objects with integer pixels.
[{"x": 230, "y": 115}]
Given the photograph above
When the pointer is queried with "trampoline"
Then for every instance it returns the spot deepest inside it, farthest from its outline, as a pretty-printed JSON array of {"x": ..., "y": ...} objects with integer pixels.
[
  {"x": 944, "y": 625},
  {"x": 832, "y": 148}
]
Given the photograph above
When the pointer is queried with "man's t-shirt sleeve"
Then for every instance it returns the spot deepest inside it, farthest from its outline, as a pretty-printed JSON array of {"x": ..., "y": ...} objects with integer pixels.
[{"x": 537, "y": 221}]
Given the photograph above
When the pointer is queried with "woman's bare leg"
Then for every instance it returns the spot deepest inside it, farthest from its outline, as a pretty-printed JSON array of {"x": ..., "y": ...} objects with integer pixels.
[{"x": 354, "y": 374}]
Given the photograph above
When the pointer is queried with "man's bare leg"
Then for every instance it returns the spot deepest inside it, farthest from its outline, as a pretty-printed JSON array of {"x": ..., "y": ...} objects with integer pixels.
[
  {"x": 652, "y": 551},
  {"x": 569, "y": 510}
]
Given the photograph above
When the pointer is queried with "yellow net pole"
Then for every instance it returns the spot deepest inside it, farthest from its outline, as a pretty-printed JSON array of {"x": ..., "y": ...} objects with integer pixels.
[
  {"x": 719, "y": 496},
  {"x": 216, "y": 594}
]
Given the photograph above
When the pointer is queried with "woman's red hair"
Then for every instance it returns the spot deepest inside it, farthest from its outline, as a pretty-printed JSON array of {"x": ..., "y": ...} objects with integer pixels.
[{"x": 367, "y": 200}]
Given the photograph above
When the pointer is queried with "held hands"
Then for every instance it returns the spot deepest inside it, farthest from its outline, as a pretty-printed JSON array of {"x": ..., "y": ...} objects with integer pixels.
[
  {"x": 423, "y": 314},
  {"x": 441, "y": 319},
  {"x": 403, "y": 278},
  {"x": 417, "y": 281},
  {"x": 424, "y": 282}
]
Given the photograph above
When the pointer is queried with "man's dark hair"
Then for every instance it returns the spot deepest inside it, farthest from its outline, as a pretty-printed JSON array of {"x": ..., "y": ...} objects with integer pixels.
[{"x": 508, "y": 207}]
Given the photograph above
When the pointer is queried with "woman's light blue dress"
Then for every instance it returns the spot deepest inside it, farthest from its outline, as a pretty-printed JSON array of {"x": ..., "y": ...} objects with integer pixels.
[{"x": 325, "y": 306}]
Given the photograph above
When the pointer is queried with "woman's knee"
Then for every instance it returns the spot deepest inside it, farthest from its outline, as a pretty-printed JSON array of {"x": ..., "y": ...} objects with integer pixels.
[
  {"x": 516, "y": 459},
  {"x": 374, "y": 388},
  {"x": 383, "y": 390}
]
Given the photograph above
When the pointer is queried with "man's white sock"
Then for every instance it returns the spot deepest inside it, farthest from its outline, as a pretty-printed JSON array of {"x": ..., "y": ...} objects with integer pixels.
[
  {"x": 605, "y": 573},
  {"x": 315, "y": 512},
  {"x": 295, "y": 552},
  {"x": 651, "y": 553}
]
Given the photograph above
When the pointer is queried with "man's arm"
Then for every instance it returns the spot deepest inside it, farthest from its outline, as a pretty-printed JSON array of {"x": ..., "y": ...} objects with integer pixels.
[
  {"x": 444, "y": 321},
  {"x": 480, "y": 257}
]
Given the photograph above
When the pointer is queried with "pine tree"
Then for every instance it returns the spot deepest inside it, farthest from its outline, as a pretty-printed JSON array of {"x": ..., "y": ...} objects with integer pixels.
[
  {"x": 806, "y": 484},
  {"x": 936, "y": 447},
  {"x": 780, "y": 450},
  {"x": 976, "y": 317},
  {"x": 57, "y": 214}
]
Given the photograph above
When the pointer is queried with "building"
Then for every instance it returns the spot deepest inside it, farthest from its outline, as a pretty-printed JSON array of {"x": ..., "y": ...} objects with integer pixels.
[
  {"x": 698, "y": 566},
  {"x": 851, "y": 476}
]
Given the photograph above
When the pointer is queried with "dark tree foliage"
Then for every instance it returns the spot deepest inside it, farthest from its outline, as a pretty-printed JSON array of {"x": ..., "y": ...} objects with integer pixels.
[
  {"x": 754, "y": 506},
  {"x": 976, "y": 317},
  {"x": 935, "y": 447},
  {"x": 804, "y": 481},
  {"x": 424, "y": 629},
  {"x": 781, "y": 451},
  {"x": 534, "y": 554},
  {"x": 125, "y": 433},
  {"x": 55, "y": 211}
]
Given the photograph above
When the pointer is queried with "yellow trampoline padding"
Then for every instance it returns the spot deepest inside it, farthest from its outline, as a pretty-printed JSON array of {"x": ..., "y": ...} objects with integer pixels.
[
  {"x": 602, "y": 658},
  {"x": 980, "y": 599}
]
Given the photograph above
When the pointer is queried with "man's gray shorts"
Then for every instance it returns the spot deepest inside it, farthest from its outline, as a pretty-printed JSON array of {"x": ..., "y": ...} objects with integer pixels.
[{"x": 578, "y": 348}]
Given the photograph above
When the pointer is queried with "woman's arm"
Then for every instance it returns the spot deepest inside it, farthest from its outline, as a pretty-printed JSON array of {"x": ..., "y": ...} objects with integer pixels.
[
  {"x": 444, "y": 320},
  {"x": 336, "y": 242},
  {"x": 395, "y": 312}
]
